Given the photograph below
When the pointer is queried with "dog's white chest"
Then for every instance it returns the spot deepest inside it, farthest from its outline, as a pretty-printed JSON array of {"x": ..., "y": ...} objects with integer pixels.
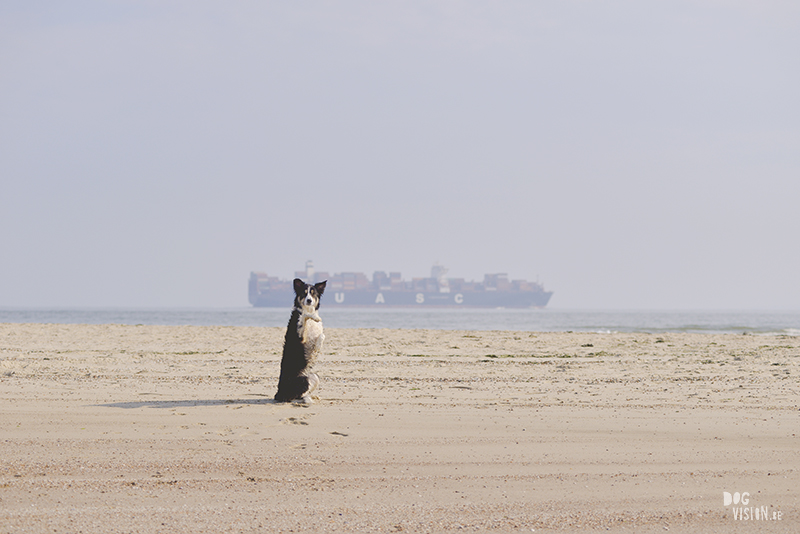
[
  {"x": 312, "y": 336},
  {"x": 312, "y": 331}
]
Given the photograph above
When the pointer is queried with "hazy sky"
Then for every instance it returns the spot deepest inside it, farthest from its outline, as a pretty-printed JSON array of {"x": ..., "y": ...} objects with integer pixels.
[{"x": 630, "y": 154}]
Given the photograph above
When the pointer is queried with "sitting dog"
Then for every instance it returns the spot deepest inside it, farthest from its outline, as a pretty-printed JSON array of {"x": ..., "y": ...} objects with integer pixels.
[{"x": 302, "y": 344}]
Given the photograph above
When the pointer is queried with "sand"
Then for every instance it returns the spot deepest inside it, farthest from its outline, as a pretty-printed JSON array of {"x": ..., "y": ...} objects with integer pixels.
[{"x": 157, "y": 429}]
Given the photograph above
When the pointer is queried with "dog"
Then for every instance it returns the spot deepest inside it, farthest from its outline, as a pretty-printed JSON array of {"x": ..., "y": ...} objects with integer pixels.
[{"x": 302, "y": 345}]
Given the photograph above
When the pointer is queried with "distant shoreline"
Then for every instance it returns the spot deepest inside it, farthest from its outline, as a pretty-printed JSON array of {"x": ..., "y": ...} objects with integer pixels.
[{"x": 532, "y": 320}]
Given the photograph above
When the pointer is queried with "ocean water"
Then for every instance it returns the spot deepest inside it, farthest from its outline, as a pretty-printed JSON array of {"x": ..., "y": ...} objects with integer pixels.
[{"x": 545, "y": 320}]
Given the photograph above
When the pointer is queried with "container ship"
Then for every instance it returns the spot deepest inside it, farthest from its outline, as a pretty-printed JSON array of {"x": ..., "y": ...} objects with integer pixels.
[{"x": 390, "y": 290}]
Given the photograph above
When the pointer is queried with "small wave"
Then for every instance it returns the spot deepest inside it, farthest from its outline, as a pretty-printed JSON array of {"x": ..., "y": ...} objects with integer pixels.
[{"x": 784, "y": 332}]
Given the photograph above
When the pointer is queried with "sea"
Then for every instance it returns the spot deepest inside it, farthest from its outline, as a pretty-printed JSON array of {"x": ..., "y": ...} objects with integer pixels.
[{"x": 532, "y": 320}]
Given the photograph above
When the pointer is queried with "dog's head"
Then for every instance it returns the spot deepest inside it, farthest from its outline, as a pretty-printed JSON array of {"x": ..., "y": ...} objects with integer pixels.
[{"x": 307, "y": 296}]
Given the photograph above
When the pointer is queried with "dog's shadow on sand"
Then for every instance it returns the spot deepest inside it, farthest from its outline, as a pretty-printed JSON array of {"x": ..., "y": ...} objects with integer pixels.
[{"x": 154, "y": 403}]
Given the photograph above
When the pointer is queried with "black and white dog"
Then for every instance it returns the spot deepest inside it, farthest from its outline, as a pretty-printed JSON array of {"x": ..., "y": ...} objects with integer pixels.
[{"x": 302, "y": 344}]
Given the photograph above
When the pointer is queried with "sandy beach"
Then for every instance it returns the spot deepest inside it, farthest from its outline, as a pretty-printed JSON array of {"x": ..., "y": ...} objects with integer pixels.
[{"x": 157, "y": 429}]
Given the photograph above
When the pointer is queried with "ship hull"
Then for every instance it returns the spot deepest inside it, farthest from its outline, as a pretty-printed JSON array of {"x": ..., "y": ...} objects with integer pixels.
[{"x": 411, "y": 299}]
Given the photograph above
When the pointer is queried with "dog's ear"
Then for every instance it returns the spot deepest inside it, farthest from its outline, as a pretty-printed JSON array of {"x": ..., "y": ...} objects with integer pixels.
[
  {"x": 299, "y": 286},
  {"x": 320, "y": 287}
]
